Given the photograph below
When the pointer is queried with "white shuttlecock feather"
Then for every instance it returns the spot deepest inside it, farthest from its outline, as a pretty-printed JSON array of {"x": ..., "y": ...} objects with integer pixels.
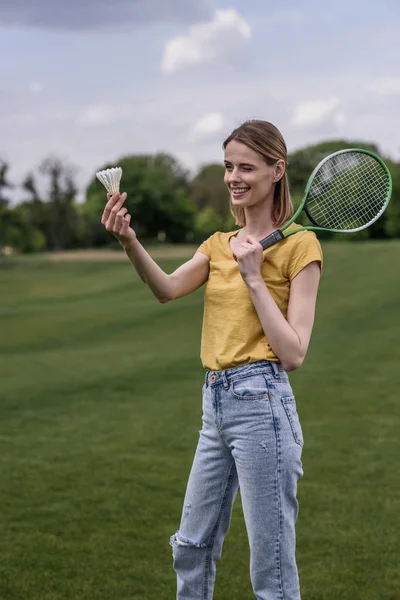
[{"x": 110, "y": 178}]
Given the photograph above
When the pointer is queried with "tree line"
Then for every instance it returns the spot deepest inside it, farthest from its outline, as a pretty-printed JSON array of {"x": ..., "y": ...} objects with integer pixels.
[{"x": 165, "y": 201}]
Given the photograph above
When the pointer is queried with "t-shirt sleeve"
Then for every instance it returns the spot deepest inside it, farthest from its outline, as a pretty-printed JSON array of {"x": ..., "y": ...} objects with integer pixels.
[
  {"x": 306, "y": 250},
  {"x": 205, "y": 247}
]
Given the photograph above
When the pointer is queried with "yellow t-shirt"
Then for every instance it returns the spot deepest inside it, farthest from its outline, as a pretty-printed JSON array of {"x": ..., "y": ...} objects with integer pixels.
[{"x": 232, "y": 334}]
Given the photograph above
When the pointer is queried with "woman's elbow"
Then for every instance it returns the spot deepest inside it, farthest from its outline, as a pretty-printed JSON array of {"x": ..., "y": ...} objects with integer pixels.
[
  {"x": 166, "y": 296},
  {"x": 164, "y": 299},
  {"x": 292, "y": 363}
]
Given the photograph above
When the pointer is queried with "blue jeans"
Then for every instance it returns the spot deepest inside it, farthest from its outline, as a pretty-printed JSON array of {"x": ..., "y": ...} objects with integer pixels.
[{"x": 251, "y": 439}]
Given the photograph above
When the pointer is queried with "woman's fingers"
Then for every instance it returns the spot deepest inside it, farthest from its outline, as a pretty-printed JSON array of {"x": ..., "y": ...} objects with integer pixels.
[
  {"x": 125, "y": 224},
  {"x": 112, "y": 209},
  {"x": 115, "y": 201},
  {"x": 119, "y": 220},
  {"x": 121, "y": 225},
  {"x": 116, "y": 218},
  {"x": 111, "y": 199},
  {"x": 244, "y": 249},
  {"x": 120, "y": 214},
  {"x": 253, "y": 241}
]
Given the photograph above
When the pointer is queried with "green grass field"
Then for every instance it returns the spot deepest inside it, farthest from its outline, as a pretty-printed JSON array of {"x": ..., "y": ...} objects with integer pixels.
[{"x": 99, "y": 418}]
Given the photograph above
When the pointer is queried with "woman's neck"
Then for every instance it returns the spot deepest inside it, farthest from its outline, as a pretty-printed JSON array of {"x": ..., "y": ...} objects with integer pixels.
[{"x": 259, "y": 222}]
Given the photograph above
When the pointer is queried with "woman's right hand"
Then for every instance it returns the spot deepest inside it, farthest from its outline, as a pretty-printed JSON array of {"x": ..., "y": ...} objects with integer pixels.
[{"x": 117, "y": 219}]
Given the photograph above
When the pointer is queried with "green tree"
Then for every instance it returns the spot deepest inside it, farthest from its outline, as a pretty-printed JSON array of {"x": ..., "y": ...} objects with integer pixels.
[
  {"x": 208, "y": 189},
  {"x": 392, "y": 215},
  {"x": 4, "y": 183},
  {"x": 21, "y": 235},
  {"x": 37, "y": 212},
  {"x": 158, "y": 199},
  {"x": 4, "y": 202},
  {"x": 207, "y": 222},
  {"x": 64, "y": 226}
]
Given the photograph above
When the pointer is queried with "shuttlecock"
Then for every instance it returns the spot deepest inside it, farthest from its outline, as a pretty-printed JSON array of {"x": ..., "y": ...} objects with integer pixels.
[{"x": 110, "y": 178}]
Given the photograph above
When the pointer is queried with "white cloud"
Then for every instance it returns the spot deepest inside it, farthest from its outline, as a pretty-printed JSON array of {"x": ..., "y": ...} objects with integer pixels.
[
  {"x": 209, "y": 125},
  {"x": 339, "y": 118},
  {"x": 385, "y": 86},
  {"x": 99, "y": 114},
  {"x": 317, "y": 112},
  {"x": 206, "y": 42},
  {"x": 35, "y": 87}
]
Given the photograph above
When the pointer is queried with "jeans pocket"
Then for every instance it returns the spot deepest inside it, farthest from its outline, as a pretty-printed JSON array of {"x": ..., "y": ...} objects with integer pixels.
[
  {"x": 289, "y": 404},
  {"x": 254, "y": 387}
]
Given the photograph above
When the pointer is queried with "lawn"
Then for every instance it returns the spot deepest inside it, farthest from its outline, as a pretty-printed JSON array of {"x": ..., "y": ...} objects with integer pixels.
[{"x": 99, "y": 416}]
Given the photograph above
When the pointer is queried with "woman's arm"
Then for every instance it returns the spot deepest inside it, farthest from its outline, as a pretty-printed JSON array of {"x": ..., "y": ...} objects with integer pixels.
[
  {"x": 187, "y": 278},
  {"x": 165, "y": 287},
  {"x": 289, "y": 339}
]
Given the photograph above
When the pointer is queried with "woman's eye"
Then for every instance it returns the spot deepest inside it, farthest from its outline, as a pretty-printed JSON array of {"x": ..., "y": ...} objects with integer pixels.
[{"x": 230, "y": 168}]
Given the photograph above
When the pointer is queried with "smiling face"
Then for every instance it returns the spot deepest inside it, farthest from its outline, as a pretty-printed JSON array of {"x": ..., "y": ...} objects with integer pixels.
[{"x": 250, "y": 180}]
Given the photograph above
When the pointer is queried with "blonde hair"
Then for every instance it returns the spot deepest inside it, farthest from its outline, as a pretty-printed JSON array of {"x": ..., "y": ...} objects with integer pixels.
[{"x": 265, "y": 139}]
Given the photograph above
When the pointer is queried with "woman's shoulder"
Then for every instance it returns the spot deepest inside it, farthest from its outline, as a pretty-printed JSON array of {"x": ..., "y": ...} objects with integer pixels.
[
  {"x": 225, "y": 235},
  {"x": 217, "y": 242},
  {"x": 301, "y": 248},
  {"x": 305, "y": 234},
  {"x": 220, "y": 237},
  {"x": 301, "y": 240}
]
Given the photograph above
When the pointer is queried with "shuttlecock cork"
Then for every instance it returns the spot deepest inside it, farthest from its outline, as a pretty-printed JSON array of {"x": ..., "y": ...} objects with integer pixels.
[{"x": 110, "y": 178}]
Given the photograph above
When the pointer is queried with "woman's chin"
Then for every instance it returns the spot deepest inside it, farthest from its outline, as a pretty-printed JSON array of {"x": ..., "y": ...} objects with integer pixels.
[
  {"x": 243, "y": 201},
  {"x": 249, "y": 202}
]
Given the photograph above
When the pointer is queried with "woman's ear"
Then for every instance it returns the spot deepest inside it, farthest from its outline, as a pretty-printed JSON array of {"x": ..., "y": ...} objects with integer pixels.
[{"x": 279, "y": 169}]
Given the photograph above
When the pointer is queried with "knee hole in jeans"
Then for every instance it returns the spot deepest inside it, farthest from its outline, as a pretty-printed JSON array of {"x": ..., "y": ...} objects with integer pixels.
[{"x": 178, "y": 540}]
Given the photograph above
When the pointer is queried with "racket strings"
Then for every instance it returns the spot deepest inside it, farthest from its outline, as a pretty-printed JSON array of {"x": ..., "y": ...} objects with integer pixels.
[
  {"x": 348, "y": 192},
  {"x": 357, "y": 215},
  {"x": 334, "y": 200}
]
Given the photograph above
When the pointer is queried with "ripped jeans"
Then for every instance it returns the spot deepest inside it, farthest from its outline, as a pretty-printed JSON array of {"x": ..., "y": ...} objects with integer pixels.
[{"x": 251, "y": 439}]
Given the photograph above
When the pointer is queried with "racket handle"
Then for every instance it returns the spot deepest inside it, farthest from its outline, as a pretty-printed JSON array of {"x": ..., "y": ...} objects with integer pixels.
[{"x": 271, "y": 239}]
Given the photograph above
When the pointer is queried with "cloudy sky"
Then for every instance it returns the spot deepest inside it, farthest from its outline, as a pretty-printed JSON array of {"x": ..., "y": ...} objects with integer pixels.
[{"x": 93, "y": 80}]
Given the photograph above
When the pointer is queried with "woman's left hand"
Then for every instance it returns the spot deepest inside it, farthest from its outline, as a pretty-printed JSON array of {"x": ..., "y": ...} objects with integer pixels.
[{"x": 249, "y": 255}]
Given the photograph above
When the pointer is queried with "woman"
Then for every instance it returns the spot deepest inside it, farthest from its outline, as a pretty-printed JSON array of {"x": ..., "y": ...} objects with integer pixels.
[{"x": 258, "y": 318}]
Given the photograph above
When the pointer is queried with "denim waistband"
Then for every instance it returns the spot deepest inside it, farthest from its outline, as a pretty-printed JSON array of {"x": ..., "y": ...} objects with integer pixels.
[{"x": 274, "y": 369}]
